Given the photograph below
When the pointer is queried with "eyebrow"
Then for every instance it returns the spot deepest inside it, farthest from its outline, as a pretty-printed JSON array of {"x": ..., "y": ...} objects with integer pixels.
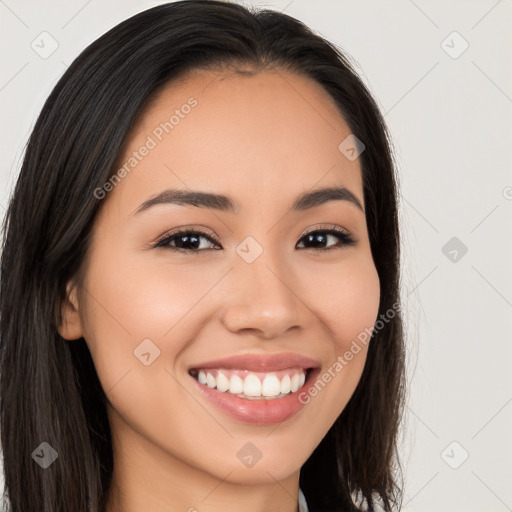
[{"x": 223, "y": 203}]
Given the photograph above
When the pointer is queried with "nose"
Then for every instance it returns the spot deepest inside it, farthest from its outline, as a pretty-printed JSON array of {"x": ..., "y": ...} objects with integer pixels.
[{"x": 260, "y": 297}]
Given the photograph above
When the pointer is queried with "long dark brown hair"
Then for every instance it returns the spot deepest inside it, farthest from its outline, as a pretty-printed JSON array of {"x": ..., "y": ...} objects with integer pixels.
[{"x": 50, "y": 391}]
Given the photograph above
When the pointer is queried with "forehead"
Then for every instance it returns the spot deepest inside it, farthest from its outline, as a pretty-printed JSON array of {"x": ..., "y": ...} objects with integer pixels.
[{"x": 271, "y": 135}]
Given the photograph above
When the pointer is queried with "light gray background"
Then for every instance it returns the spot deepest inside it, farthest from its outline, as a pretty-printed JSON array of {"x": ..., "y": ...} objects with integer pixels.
[{"x": 451, "y": 122}]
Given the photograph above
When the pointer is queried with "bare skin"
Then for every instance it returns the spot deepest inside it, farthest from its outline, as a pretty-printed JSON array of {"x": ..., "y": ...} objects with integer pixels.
[{"x": 261, "y": 140}]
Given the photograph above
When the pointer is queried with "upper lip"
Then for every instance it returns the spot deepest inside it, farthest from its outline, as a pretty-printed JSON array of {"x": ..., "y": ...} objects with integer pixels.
[{"x": 260, "y": 363}]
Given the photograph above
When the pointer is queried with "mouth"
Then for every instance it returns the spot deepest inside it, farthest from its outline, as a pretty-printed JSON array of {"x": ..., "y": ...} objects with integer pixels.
[
  {"x": 251, "y": 385},
  {"x": 256, "y": 389}
]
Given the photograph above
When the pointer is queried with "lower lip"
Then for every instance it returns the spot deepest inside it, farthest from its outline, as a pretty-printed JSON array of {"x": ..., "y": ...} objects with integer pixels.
[{"x": 260, "y": 412}]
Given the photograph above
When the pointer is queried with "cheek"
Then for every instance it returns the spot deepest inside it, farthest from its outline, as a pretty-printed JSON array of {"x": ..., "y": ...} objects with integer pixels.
[
  {"x": 127, "y": 305},
  {"x": 346, "y": 301},
  {"x": 142, "y": 299},
  {"x": 346, "y": 298}
]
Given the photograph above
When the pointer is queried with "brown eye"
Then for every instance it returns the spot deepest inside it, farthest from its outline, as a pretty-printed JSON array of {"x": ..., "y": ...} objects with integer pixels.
[
  {"x": 319, "y": 237},
  {"x": 185, "y": 240}
]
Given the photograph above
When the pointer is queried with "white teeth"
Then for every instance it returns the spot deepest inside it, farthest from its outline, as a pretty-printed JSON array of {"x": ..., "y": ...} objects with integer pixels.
[
  {"x": 211, "y": 382},
  {"x": 236, "y": 385},
  {"x": 251, "y": 386},
  {"x": 222, "y": 382},
  {"x": 295, "y": 384},
  {"x": 285, "y": 384},
  {"x": 271, "y": 386}
]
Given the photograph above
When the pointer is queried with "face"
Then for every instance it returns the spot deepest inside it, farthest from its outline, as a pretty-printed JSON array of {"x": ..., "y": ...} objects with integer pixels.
[{"x": 261, "y": 279}]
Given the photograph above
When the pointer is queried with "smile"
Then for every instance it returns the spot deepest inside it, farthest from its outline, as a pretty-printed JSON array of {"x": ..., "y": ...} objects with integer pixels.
[
  {"x": 252, "y": 385},
  {"x": 261, "y": 389}
]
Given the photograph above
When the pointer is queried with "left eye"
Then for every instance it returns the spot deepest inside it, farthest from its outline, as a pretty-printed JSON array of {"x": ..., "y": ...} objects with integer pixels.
[
  {"x": 322, "y": 236},
  {"x": 184, "y": 239},
  {"x": 190, "y": 241}
]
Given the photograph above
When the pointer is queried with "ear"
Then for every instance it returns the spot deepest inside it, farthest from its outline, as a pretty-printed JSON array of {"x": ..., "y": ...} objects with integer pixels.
[{"x": 71, "y": 324}]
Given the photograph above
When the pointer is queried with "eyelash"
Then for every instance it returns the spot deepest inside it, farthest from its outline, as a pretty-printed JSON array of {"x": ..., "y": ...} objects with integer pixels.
[{"x": 345, "y": 238}]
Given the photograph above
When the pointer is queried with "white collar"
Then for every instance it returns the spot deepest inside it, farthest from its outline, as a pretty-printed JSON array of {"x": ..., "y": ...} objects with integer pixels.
[{"x": 303, "y": 505}]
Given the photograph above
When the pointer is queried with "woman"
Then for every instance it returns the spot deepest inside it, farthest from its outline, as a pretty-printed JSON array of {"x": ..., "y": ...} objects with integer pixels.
[{"x": 199, "y": 278}]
